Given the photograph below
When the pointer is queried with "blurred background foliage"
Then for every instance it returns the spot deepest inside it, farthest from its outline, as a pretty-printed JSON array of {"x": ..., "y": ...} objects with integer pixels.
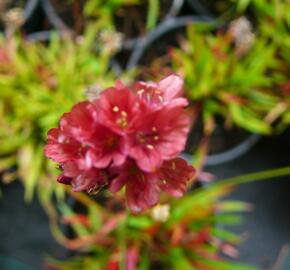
[
  {"x": 38, "y": 83},
  {"x": 169, "y": 236},
  {"x": 236, "y": 67}
]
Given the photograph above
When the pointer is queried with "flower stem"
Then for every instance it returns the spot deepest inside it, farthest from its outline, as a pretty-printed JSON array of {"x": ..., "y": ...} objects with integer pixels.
[
  {"x": 122, "y": 241},
  {"x": 257, "y": 176}
]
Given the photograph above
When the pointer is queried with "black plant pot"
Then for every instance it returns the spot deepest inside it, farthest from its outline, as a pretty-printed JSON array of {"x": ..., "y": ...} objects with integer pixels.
[
  {"x": 63, "y": 20},
  {"x": 34, "y": 17},
  {"x": 53, "y": 17},
  {"x": 211, "y": 8}
]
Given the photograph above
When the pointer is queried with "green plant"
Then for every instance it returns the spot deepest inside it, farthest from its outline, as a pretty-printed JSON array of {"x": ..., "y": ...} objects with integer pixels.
[
  {"x": 38, "y": 84},
  {"x": 273, "y": 23},
  {"x": 222, "y": 82},
  {"x": 185, "y": 233},
  {"x": 169, "y": 236}
]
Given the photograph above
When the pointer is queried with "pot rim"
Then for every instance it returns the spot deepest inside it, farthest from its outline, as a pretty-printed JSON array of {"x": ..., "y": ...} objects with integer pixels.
[
  {"x": 228, "y": 155},
  {"x": 29, "y": 9},
  {"x": 166, "y": 26},
  {"x": 59, "y": 24}
]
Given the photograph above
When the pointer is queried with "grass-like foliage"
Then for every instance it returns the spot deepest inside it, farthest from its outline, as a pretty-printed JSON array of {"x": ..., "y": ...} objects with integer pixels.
[{"x": 38, "y": 83}]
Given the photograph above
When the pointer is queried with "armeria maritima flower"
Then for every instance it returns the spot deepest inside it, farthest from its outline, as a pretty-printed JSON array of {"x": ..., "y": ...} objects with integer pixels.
[
  {"x": 127, "y": 137},
  {"x": 143, "y": 188}
]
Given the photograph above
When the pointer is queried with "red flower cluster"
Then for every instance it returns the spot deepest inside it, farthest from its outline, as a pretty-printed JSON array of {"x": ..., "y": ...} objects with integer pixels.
[{"x": 126, "y": 137}]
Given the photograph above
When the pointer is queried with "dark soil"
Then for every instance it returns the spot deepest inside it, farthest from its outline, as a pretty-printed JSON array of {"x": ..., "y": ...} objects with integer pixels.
[
  {"x": 266, "y": 228},
  {"x": 24, "y": 231}
]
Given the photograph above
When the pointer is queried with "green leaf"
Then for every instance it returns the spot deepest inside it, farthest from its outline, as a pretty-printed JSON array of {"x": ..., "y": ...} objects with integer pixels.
[
  {"x": 233, "y": 206},
  {"x": 243, "y": 117},
  {"x": 68, "y": 212},
  {"x": 178, "y": 260},
  {"x": 95, "y": 217},
  {"x": 34, "y": 167},
  {"x": 152, "y": 15},
  {"x": 228, "y": 219},
  {"x": 225, "y": 235},
  {"x": 139, "y": 222},
  {"x": 144, "y": 263},
  {"x": 242, "y": 5},
  {"x": 219, "y": 265}
]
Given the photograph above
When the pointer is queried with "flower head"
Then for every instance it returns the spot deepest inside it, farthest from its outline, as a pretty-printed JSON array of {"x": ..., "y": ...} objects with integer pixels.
[{"x": 126, "y": 138}]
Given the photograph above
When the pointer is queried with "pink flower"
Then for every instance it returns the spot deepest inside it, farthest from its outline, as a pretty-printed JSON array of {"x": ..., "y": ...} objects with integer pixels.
[
  {"x": 158, "y": 135},
  {"x": 167, "y": 91},
  {"x": 80, "y": 122},
  {"x": 127, "y": 137},
  {"x": 65, "y": 143},
  {"x": 143, "y": 189},
  {"x": 174, "y": 175}
]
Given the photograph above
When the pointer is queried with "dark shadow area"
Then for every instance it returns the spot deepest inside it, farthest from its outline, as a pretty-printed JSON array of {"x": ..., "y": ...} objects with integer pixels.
[
  {"x": 24, "y": 230},
  {"x": 267, "y": 227}
]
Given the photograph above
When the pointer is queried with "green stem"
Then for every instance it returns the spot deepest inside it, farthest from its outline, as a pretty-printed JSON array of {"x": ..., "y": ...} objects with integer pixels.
[
  {"x": 122, "y": 241},
  {"x": 152, "y": 16},
  {"x": 257, "y": 176}
]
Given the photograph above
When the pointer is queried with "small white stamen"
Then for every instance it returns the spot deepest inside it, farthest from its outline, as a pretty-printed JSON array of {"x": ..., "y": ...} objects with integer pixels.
[
  {"x": 140, "y": 92},
  {"x": 116, "y": 109},
  {"x": 123, "y": 113},
  {"x": 160, "y": 213},
  {"x": 150, "y": 146}
]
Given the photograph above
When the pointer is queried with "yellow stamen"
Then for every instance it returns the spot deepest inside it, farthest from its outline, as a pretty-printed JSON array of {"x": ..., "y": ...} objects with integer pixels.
[{"x": 173, "y": 166}]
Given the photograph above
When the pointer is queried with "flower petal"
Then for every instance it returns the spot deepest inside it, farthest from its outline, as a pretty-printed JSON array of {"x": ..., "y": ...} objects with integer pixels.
[
  {"x": 174, "y": 175},
  {"x": 80, "y": 122},
  {"x": 171, "y": 86},
  {"x": 141, "y": 192}
]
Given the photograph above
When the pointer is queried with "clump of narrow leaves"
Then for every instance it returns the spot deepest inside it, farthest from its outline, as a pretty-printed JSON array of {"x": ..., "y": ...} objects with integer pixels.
[
  {"x": 38, "y": 83},
  {"x": 187, "y": 233},
  {"x": 224, "y": 80}
]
